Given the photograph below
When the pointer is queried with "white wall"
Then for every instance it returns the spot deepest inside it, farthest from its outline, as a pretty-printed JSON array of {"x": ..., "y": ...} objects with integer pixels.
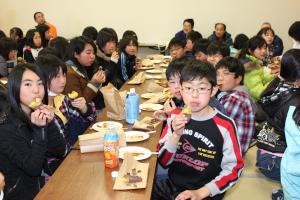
[{"x": 155, "y": 21}]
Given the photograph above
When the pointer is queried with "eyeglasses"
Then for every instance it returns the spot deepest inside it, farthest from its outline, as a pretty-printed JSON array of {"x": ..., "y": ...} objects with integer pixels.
[{"x": 200, "y": 90}]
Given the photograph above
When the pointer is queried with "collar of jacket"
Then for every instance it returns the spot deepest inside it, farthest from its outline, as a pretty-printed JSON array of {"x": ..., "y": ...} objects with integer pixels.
[
  {"x": 102, "y": 55},
  {"x": 251, "y": 62},
  {"x": 78, "y": 72},
  {"x": 225, "y": 36}
]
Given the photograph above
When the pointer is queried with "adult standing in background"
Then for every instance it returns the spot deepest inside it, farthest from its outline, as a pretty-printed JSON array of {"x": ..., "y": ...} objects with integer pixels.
[
  {"x": 39, "y": 18},
  {"x": 188, "y": 25},
  {"x": 278, "y": 44},
  {"x": 221, "y": 34}
]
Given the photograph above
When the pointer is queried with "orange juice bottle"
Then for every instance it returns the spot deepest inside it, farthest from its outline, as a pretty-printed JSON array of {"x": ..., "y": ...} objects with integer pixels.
[{"x": 111, "y": 148}]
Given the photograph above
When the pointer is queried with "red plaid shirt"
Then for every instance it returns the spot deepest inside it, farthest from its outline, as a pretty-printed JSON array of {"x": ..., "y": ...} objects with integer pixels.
[{"x": 240, "y": 108}]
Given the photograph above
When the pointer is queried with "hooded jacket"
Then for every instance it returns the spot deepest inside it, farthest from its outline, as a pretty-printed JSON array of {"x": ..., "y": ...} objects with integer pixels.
[
  {"x": 256, "y": 78},
  {"x": 276, "y": 104}
]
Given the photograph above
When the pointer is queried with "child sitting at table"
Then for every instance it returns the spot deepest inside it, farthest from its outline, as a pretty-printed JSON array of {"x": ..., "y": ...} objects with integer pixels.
[
  {"x": 72, "y": 114},
  {"x": 192, "y": 37},
  {"x": 66, "y": 107},
  {"x": 33, "y": 45},
  {"x": 128, "y": 62},
  {"x": 84, "y": 75},
  {"x": 173, "y": 74},
  {"x": 173, "y": 77},
  {"x": 203, "y": 153},
  {"x": 200, "y": 49},
  {"x": 216, "y": 51},
  {"x": 8, "y": 56},
  {"x": 176, "y": 47},
  {"x": 175, "y": 101},
  {"x": 236, "y": 99},
  {"x": 27, "y": 133}
]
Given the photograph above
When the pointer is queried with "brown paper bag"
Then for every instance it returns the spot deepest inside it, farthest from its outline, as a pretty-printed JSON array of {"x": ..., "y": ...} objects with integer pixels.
[
  {"x": 131, "y": 167},
  {"x": 93, "y": 142},
  {"x": 114, "y": 104}
]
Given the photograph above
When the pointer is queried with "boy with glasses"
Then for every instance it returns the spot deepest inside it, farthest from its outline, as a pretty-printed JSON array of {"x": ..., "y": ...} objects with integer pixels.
[
  {"x": 202, "y": 153},
  {"x": 176, "y": 47},
  {"x": 236, "y": 99}
]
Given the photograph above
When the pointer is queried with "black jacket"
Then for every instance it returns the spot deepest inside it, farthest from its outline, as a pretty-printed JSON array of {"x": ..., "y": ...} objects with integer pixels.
[
  {"x": 111, "y": 69},
  {"x": 23, "y": 151},
  {"x": 276, "y": 102}
]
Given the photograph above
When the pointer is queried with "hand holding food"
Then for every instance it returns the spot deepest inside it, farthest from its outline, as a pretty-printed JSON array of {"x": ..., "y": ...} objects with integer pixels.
[
  {"x": 178, "y": 123},
  {"x": 115, "y": 56},
  {"x": 35, "y": 103},
  {"x": 169, "y": 106},
  {"x": 187, "y": 112},
  {"x": 73, "y": 95},
  {"x": 80, "y": 103},
  {"x": 98, "y": 77},
  {"x": 42, "y": 115}
]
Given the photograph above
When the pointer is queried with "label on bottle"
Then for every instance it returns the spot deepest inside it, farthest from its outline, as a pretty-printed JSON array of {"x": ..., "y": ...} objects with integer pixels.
[{"x": 111, "y": 147}]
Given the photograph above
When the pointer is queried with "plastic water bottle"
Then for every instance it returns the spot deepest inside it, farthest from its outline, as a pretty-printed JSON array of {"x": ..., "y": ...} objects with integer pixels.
[
  {"x": 132, "y": 106},
  {"x": 111, "y": 147}
]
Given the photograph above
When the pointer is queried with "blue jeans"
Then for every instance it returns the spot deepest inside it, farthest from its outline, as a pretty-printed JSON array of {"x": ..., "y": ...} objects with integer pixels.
[{"x": 269, "y": 165}]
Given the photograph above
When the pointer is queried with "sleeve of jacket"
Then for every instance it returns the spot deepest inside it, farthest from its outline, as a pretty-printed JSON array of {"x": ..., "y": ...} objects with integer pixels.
[
  {"x": 256, "y": 81},
  {"x": 29, "y": 156},
  {"x": 88, "y": 91},
  {"x": 232, "y": 162},
  {"x": 267, "y": 77},
  {"x": 56, "y": 145},
  {"x": 166, "y": 151},
  {"x": 75, "y": 113}
]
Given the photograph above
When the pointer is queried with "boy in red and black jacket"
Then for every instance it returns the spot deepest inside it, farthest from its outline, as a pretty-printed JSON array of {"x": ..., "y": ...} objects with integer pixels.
[{"x": 202, "y": 152}]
